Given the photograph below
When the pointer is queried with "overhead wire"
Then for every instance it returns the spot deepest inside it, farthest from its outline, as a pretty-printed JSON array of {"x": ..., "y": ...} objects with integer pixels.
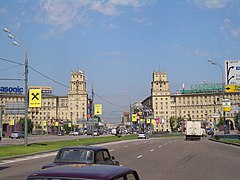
[
  {"x": 5, "y": 69},
  {"x": 10, "y": 61}
]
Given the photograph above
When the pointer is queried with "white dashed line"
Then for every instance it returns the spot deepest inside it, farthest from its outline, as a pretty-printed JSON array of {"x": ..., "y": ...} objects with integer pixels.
[
  {"x": 152, "y": 150},
  {"x": 125, "y": 146},
  {"x": 139, "y": 156},
  {"x": 27, "y": 158},
  {"x": 165, "y": 144},
  {"x": 160, "y": 146},
  {"x": 111, "y": 150}
]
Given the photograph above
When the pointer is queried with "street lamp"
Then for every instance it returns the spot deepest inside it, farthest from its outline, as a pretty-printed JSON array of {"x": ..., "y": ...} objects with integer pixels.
[
  {"x": 223, "y": 91},
  {"x": 18, "y": 42}
]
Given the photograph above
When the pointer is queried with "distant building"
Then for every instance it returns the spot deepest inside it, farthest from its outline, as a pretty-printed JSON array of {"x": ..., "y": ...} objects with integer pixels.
[
  {"x": 201, "y": 102},
  {"x": 55, "y": 110}
]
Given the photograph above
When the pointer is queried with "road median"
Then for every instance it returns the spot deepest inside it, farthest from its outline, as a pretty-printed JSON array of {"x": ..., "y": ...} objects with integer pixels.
[{"x": 41, "y": 147}]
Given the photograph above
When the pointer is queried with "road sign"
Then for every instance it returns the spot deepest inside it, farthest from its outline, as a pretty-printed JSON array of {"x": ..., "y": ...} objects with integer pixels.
[
  {"x": 98, "y": 109},
  {"x": 226, "y": 106},
  {"x": 148, "y": 121},
  {"x": 232, "y": 72},
  {"x": 44, "y": 123},
  {"x": 134, "y": 117},
  {"x": 12, "y": 122},
  {"x": 232, "y": 88},
  {"x": 35, "y": 97}
]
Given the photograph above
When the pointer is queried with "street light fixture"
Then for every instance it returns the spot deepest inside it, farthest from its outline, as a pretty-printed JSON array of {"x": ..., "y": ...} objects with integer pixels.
[
  {"x": 18, "y": 42},
  {"x": 223, "y": 92}
]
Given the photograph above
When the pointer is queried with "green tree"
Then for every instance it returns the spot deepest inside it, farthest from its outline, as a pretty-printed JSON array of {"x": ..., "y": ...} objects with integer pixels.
[
  {"x": 236, "y": 119},
  {"x": 98, "y": 117},
  {"x": 172, "y": 123},
  {"x": 175, "y": 123},
  {"x": 29, "y": 122},
  {"x": 67, "y": 129},
  {"x": 221, "y": 122}
]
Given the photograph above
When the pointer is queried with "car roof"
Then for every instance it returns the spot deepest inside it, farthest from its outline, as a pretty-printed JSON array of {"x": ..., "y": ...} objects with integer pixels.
[
  {"x": 94, "y": 148},
  {"x": 83, "y": 171}
]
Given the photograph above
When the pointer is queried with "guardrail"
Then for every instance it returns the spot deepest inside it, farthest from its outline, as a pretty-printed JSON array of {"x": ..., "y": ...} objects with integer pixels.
[{"x": 227, "y": 136}]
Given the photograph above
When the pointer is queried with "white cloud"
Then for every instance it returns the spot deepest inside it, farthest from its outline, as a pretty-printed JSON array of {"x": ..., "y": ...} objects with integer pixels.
[
  {"x": 59, "y": 14},
  {"x": 104, "y": 8},
  {"x": 134, "y": 3},
  {"x": 63, "y": 15},
  {"x": 229, "y": 30},
  {"x": 235, "y": 32},
  {"x": 142, "y": 20},
  {"x": 201, "y": 53},
  {"x": 212, "y": 4}
]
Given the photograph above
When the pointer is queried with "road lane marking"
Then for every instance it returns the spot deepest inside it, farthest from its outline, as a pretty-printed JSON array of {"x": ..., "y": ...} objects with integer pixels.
[
  {"x": 152, "y": 150},
  {"x": 27, "y": 158},
  {"x": 111, "y": 150},
  {"x": 160, "y": 146},
  {"x": 125, "y": 146},
  {"x": 165, "y": 144},
  {"x": 139, "y": 156}
]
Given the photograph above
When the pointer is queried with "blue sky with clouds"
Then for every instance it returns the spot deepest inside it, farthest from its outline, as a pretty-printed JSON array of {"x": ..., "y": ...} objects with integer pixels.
[{"x": 119, "y": 43}]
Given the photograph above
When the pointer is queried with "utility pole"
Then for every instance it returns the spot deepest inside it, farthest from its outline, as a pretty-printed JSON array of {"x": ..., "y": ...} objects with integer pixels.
[
  {"x": 92, "y": 112},
  {"x": 1, "y": 129}
]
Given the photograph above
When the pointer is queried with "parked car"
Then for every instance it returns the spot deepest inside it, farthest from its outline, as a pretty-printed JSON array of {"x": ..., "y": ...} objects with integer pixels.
[
  {"x": 143, "y": 135},
  {"x": 17, "y": 135},
  {"x": 83, "y": 155},
  {"x": 209, "y": 131},
  {"x": 85, "y": 171},
  {"x": 96, "y": 133},
  {"x": 61, "y": 133}
]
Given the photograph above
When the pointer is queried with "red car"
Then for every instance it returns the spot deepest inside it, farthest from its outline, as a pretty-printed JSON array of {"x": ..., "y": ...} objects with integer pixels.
[
  {"x": 85, "y": 171},
  {"x": 82, "y": 155}
]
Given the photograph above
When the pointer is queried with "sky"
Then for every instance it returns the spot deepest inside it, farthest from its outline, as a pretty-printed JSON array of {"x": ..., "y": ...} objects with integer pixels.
[{"x": 118, "y": 44}]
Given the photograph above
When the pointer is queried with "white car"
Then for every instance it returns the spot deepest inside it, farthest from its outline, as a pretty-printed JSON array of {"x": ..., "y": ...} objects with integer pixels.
[
  {"x": 143, "y": 135},
  {"x": 95, "y": 133}
]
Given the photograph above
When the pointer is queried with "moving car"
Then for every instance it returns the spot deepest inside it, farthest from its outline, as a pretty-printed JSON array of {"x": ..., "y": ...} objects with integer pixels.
[
  {"x": 83, "y": 155},
  {"x": 209, "y": 131},
  {"x": 85, "y": 171},
  {"x": 143, "y": 135},
  {"x": 17, "y": 135}
]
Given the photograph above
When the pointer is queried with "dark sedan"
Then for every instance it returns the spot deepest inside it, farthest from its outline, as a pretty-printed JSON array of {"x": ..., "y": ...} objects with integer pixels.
[
  {"x": 83, "y": 155},
  {"x": 85, "y": 171}
]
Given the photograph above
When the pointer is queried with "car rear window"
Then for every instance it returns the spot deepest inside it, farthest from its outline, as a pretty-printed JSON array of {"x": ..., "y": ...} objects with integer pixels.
[{"x": 75, "y": 155}]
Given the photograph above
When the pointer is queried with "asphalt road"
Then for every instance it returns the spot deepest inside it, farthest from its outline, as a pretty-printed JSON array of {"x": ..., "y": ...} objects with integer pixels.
[{"x": 154, "y": 159}]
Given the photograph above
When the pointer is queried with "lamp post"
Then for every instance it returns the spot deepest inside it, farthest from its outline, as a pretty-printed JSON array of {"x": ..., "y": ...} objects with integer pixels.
[
  {"x": 223, "y": 92},
  {"x": 18, "y": 42}
]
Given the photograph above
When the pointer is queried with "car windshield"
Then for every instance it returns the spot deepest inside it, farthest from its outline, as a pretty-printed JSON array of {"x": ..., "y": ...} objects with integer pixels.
[{"x": 76, "y": 155}]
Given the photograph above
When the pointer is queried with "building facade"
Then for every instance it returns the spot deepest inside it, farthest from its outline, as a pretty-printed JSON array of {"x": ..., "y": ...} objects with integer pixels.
[
  {"x": 203, "y": 102},
  {"x": 54, "y": 110}
]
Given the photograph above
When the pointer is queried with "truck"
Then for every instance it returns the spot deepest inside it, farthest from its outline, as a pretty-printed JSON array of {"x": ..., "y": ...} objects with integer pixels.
[
  {"x": 193, "y": 130},
  {"x": 114, "y": 131}
]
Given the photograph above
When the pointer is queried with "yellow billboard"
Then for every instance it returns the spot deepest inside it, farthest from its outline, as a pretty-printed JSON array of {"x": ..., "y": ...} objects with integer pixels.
[
  {"x": 98, "y": 109},
  {"x": 134, "y": 117},
  {"x": 44, "y": 123},
  {"x": 35, "y": 97},
  {"x": 12, "y": 122},
  {"x": 148, "y": 121}
]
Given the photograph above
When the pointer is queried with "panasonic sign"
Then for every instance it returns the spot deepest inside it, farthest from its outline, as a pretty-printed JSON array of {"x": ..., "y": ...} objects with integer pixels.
[{"x": 11, "y": 89}]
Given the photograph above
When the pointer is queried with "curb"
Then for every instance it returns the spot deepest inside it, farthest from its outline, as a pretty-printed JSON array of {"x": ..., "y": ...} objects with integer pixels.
[{"x": 229, "y": 143}]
